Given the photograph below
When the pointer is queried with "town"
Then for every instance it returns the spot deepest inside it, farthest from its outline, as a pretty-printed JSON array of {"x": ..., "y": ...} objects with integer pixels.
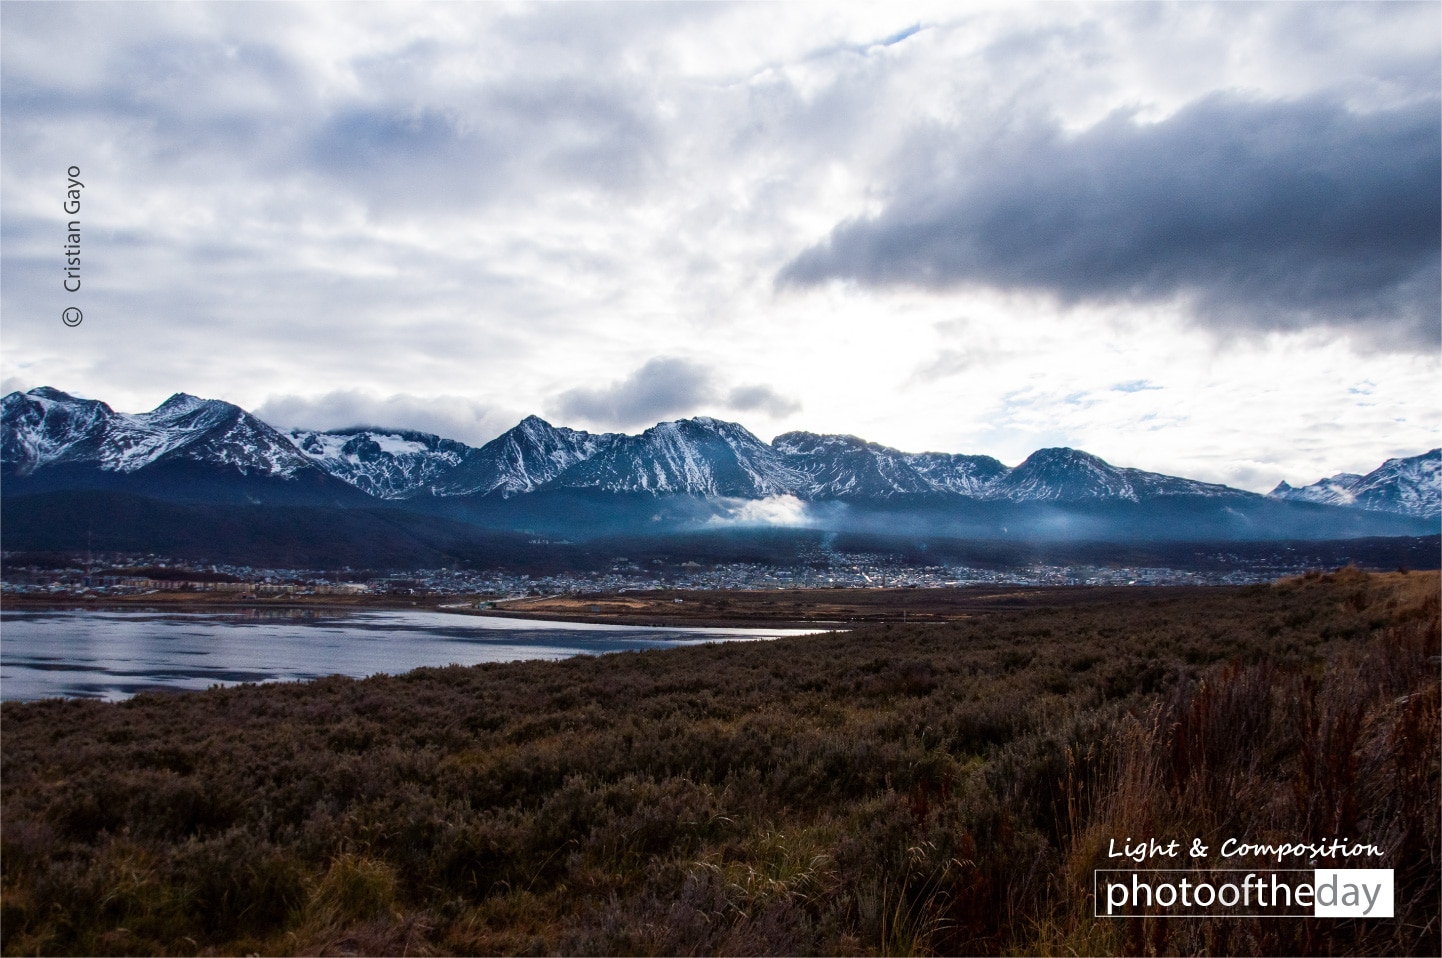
[{"x": 118, "y": 575}]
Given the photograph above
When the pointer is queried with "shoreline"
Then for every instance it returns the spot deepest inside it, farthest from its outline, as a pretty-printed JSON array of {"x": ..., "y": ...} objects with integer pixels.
[{"x": 830, "y": 609}]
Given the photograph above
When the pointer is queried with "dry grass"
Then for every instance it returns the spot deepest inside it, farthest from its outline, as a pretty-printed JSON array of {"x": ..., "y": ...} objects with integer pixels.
[{"x": 895, "y": 790}]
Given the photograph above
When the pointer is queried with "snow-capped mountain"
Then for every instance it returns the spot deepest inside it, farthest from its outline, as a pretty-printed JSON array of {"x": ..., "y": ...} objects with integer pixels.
[
  {"x": 845, "y": 466},
  {"x": 528, "y": 457},
  {"x": 708, "y": 457},
  {"x": 701, "y": 456},
  {"x": 382, "y": 463},
  {"x": 49, "y": 439},
  {"x": 404, "y": 464},
  {"x": 1070, "y": 475},
  {"x": 952, "y": 472},
  {"x": 1410, "y": 486},
  {"x": 1332, "y": 491},
  {"x": 46, "y": 427}
]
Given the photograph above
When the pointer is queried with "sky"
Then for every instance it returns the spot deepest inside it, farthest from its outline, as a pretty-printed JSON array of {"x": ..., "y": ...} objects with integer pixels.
[{"x": 1198, "y": 239}]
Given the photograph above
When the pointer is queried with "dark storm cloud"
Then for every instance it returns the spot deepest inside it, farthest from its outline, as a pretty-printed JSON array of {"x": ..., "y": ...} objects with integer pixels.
[
  {"x": 764, "y": 398},
  {"x": 662, "y": 388},
  {"x": 1267, "y": 216},
  {"x": 666, "y": 388}
]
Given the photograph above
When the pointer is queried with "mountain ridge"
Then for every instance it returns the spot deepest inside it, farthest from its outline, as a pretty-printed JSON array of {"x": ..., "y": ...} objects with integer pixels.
[
  {"x": 701, "y": 457},
  {"x": 1408, "y": 485}
]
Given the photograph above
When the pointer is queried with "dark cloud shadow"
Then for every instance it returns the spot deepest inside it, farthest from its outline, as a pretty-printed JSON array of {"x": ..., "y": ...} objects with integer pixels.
[
  {"x": 1263, "y": 216},
  {"x": 666, "y": 388}
]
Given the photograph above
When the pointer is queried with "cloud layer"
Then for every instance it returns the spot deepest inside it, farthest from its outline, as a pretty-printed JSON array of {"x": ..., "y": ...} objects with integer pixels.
[
  {"x": 1265, "y": 215},
  {"x": 666, "y": 388},
  {"x": 448, "y": 216},
  {"x": 450, "y": 417}
]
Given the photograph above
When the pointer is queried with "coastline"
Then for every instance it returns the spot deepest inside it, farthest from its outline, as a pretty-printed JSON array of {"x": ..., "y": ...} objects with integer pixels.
[{"x": 667, "y": 608}]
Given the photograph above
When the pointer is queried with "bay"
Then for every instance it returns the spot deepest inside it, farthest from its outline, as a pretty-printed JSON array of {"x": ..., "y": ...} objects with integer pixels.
[{"x": 114, "y": 655}]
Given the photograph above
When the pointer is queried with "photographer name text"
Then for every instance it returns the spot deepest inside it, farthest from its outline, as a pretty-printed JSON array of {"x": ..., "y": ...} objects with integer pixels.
[{"x": 72, "y": 230}]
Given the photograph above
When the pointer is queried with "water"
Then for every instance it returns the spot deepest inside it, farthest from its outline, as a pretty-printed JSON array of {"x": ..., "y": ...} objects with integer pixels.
[{"x": 114, "y": 655}]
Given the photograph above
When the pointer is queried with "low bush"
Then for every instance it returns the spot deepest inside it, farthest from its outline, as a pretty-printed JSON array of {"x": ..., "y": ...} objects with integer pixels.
[{"x": 890, "y": 790}]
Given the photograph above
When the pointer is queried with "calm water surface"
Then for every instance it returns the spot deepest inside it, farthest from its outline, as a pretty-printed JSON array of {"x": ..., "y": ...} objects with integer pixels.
[{"x": 114, "y": 655}]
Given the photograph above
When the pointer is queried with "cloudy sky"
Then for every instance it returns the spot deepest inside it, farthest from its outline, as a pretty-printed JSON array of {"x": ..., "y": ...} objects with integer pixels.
[{"x": 1193, "y": 238}]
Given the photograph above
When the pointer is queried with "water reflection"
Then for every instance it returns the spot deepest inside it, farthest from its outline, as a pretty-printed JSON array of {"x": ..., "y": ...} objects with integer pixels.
[{"x": 114, "y": 655}]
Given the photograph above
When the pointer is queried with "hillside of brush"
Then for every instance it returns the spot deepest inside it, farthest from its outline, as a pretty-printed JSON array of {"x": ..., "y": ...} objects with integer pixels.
[{"x": 896, "y": 789}]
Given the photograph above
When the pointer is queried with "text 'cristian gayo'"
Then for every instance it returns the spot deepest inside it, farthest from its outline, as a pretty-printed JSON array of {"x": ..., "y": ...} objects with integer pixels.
[{"x": 72, "y": 230}]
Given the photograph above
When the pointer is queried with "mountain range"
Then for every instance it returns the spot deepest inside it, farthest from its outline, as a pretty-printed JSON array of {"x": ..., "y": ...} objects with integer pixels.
[
  {"x": 1410, "y": 486},
  {"x": 690, "y": 472}
]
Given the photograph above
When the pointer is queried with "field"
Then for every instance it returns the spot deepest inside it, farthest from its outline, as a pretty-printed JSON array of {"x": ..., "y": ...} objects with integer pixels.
[
  {"x": 829, "y": 608},
  {"x": 915, "y": 785}
]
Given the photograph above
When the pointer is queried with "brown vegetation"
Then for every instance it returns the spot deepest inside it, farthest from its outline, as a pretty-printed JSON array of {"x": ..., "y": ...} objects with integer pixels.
[
  {"x": 896, "y": 789},
  {"x": 829, "y": 607}
]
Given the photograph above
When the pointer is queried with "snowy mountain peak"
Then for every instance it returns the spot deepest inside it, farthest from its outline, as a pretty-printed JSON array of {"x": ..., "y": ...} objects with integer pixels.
[
  {"x": 701, "y": 456},
  {"x": 1333, "y": 491},
  {"x": 1064, "y": 457},
  {"x": 47, "y": 427},
  {"x": 702, "y": 427},
  {"x": 802, "y": 442},
  {"x": 192, "y": 414},
  {"x": 847, "y": 466},
  {"x": 522, "y": 459},
  {"x": 51, "y": 394},
  {"x": 180, "y": 403},
  {"x": 1411, "y": 486},
  {"x": 1062, "y": 474},
  {"x": 385, "y": 463}
]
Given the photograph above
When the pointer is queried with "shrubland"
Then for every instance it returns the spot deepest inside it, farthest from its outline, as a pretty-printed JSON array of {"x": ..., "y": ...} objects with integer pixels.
[{"x": 896, "y": 789}]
